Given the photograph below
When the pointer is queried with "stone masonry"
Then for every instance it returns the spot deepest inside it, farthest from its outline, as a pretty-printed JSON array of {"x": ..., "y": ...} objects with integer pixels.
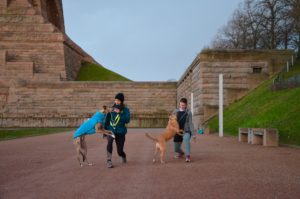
[
  {"x": 242, "y": 71},
  {"x": 33, "y": 42},
  {"x": 38, "y": 63},
  {"x": 69, "y": 103}
]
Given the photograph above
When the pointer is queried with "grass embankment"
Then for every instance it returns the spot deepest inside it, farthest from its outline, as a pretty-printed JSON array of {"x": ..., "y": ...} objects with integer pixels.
[
  {"x": 263, "y": 108},
  {"x": 94, "y": 72},
  {"x": 7, "y": 134}
]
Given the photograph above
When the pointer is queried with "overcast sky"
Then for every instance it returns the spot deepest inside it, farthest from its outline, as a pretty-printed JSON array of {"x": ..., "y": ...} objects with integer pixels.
[{"x": 146, "y": 40}]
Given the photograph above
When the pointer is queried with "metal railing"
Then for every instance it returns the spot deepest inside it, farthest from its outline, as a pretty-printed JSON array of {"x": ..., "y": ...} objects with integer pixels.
[{"x": 280, "y": 82}]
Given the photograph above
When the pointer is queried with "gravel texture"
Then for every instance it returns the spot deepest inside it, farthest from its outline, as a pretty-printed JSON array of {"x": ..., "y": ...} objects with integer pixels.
[{"x": 46, "y": 167}]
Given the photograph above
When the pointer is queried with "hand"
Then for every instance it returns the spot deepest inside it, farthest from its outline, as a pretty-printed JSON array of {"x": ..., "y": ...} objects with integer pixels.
[{"x": 117, "y": 110}]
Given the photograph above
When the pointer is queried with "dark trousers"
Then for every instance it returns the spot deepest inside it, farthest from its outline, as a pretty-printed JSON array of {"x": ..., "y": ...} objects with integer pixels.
[{"x": 120, "y": 140}]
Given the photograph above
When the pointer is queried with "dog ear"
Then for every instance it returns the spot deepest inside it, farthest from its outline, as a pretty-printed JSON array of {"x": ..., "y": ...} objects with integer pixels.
[{"x": 171, "y": 114}]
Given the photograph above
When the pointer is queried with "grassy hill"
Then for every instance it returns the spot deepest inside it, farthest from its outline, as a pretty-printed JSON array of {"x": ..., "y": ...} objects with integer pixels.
[
  {"x": 94, "y": 72},
  {"x": 266, "y": 109}
]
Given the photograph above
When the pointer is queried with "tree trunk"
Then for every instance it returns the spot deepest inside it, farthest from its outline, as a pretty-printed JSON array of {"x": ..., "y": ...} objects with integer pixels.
[{"x": 298, "y": 54}]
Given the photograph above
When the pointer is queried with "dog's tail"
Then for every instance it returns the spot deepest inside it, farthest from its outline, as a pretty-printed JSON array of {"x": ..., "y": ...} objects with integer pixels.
[{"x": 150, "y": 137}]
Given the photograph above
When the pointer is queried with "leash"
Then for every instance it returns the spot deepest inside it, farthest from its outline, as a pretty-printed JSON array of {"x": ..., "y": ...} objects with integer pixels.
[
  {"x": 182, "y": 116},
  {"x": 114, "y": 122}
]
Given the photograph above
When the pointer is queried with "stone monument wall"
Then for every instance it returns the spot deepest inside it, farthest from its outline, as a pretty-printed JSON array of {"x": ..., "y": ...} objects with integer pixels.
[
  {"x": 32, "y": 33},
  {"x": 242, "y": 70},
  {"x": 38, "y": 62},
  {"x": 68, "y": 104}
]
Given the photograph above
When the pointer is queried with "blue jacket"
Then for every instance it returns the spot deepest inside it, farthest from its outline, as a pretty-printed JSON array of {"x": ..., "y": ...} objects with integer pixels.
[
  {"x": 117, "y": 124},
  {"x": 88, "y": 127}
]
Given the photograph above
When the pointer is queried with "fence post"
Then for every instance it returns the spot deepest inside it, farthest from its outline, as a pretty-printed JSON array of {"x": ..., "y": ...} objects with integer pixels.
[
  {"x": 287, "y": 66},
  {"x": 221, "y": 105}
]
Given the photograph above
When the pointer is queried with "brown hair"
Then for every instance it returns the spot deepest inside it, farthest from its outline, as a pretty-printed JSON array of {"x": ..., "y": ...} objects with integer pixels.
[{"x": 183, "y": 100}]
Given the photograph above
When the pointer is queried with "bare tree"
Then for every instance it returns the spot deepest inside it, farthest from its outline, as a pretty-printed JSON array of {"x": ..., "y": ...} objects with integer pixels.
[
  {"x": 254, "y": 23},
  {"x": 271, "y": 13},
  {"x": 266, "y": 24},
  {"x": 286, "y": 32},
  {"x": 244, "y": 30},
  {"x": 295, "y": 17},
  {"x": 235, "y": 34}
]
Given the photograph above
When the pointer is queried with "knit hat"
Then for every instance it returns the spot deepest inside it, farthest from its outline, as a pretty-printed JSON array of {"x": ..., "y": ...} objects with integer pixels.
[{"x": 120, "y": 96}]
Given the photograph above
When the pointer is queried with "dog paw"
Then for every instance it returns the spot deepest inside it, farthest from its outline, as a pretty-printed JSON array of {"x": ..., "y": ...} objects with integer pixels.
[
  {"x": 153, "y": 160},
  {"x": 90, "y": 164}
]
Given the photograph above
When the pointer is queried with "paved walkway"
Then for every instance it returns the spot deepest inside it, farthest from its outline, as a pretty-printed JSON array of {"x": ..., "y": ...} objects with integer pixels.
[{"x": 46, "y": 167}]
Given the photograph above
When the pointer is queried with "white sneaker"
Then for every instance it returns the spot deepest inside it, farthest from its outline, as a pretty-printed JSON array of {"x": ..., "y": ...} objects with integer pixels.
[{"x": 188, "y": 159}]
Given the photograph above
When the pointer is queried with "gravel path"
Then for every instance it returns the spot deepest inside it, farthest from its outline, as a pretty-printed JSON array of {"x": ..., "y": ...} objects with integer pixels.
[{"x": 46, "y": 167}]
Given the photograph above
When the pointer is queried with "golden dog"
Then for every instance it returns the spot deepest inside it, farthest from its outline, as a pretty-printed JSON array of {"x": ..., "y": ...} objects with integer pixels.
[
  {"x": 81, "y": 147},
  {"x": 171, "y": 130}
]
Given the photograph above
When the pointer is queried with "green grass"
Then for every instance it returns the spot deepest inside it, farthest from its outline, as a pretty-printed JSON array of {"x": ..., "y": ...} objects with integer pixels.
[
  {"x": 294, "y": 70},
  {"x": 94, "y": 72},
  {"x": 13, "y": 133},
  {"x": 266, "y": 109}
]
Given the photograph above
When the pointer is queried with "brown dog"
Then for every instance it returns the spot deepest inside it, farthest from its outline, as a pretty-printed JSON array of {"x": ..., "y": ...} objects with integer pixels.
[
  {"x": 81, "y": 147},
  {"x": 171, "y": 130}
]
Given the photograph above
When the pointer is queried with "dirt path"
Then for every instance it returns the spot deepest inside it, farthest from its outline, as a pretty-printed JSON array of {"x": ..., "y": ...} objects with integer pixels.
[{"x": 46, "y": 167}]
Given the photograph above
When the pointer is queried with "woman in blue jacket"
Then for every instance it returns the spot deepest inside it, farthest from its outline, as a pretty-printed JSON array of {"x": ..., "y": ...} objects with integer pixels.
[{"x": 116, "y": 121}]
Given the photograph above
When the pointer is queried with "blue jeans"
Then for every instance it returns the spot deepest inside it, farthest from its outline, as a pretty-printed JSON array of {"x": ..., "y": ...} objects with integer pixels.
[{"x": 187, "y": 145}]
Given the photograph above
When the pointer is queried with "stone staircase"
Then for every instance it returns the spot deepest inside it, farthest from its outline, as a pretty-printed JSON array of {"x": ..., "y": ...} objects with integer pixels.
[
  {"x": 34, "y": 48},
  {"x": 10, "y": 71}
]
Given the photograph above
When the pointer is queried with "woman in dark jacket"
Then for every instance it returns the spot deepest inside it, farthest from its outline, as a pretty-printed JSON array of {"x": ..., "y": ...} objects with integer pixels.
[{"x": 116, "y": 121}]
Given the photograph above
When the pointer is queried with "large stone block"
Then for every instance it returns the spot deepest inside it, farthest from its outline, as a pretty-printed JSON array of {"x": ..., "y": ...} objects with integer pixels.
[
  {"x": 3, "y": 4},
  {"x": 25, "y": 46},
  {"x": 2, "y": 58},
  {"x": 31, "y": 36},
  {"x": 17, "y": 10},
  {"x": 19, "y": 3},
  {"x": 30, "y": 19},
  {"x": 23, "y": 27},
  {"x": 271, "y": 137},
  {"x": 244, "y": 135},
  {"x": 46, "y": 77},
  {"x": 257, "y": 136}
]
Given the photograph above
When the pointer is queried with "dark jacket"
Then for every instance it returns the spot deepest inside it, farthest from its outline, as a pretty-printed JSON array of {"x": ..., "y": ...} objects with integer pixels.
[
  {"x": 117, "y": 124},
  {"x": 188, "y": 126}
]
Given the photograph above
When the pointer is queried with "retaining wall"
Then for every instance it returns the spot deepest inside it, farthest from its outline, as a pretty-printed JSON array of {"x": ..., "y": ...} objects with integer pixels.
[
  {"x": 243, "y": 70},
  {"x": 68, "y": 104}
]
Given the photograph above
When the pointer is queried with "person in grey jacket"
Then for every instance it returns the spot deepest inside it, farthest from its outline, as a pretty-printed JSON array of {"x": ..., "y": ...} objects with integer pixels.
[{"x": 185, "y": 121}]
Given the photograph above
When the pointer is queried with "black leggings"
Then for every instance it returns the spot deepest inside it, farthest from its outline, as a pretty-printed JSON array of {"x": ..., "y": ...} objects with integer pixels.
[{"x": 120, "y": 140}]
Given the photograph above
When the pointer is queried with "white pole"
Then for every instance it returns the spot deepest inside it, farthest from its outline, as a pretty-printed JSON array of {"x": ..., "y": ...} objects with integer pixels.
[
  {"x": 287, "y": 67},
  {"x": 221, "y": 105},
  {"x": 192, "y": 103}
]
